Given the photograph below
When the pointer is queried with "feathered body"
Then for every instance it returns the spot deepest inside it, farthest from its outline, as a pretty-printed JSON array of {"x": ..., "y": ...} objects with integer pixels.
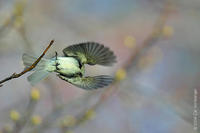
[
  {"x": 71, "y": 66},
  {"x": 64, "y": 65}
]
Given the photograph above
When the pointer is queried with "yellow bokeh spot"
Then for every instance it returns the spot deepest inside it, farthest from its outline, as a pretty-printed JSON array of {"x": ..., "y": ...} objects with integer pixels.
[
  {"x": 167, "y": 31},
  {"x": 14, "y": 115},
  {"x": 19, "y": 7},
  {"x": 18, "y": 12},
  {"x": 35, "y": 94},
  {"x": 68, "y": 121},
  {"x": 36, "y": 120},
  {"x": 130, "y": 42},
  {"x": 90, "y": 114},
  {"x": 18, "y": 22},
  {"x": 7, "y": 128},
  {"x": 120, "y": 74}
]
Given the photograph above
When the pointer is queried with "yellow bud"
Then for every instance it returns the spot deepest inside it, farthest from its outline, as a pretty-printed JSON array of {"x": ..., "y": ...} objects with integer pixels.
[
  {"x": 130, "y": 42},
  {"x": 90, "y": 114},
  {"x": 7, "y": 128},
  {"x": 35, "y": 94},
  {"x": 120, "y": 74},
  {"x": 68, "y": 121},
  {"x": 167, "y": 31},
  {"x": 18, "y": 22},
  {"x": 19, "y": 7},
  {"x": 14, "y": 115},
  {"x": 36, "y": 120}
]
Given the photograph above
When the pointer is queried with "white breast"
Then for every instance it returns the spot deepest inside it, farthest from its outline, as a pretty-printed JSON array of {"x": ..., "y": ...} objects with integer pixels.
[{"x": 67, "y": 65}]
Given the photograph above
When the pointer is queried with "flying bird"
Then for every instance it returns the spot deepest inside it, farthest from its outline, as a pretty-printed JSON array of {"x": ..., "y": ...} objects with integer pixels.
[{"x": 70, "y": 67}]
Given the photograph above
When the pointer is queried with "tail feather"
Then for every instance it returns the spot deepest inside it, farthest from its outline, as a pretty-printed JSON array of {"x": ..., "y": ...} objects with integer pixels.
[
  {"x": 40, "y": 69},
  {"x": 37, "y": 76},
  {"x": 29, "y": 60}
]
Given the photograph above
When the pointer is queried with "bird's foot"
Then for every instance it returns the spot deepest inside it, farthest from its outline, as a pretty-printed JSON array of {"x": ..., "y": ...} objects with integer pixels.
[
  {"x": 56, "y": 55},
  {"x": 56, "y": 65}
]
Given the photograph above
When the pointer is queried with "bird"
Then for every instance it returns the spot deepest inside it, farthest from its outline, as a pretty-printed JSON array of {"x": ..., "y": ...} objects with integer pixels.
[{"x": 71, "y": 66}]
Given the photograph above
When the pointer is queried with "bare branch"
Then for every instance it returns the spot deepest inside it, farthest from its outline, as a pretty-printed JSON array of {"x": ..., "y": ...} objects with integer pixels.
[{"x": 15, "y": 75}]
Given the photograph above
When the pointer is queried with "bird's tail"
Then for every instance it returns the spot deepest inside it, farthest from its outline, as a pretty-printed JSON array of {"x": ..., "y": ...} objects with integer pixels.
[{"x": 40, "y": 70}]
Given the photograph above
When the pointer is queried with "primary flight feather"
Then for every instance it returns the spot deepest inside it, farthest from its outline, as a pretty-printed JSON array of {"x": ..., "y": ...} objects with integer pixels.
[{"x": 71, "y": 67}]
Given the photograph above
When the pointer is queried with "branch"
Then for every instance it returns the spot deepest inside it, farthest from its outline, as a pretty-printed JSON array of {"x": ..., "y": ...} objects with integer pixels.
[{"x": 15, "y": 75}]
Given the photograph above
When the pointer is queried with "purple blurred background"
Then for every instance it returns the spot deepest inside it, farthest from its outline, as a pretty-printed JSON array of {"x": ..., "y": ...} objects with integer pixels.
[{"x": 157, "y": 94}]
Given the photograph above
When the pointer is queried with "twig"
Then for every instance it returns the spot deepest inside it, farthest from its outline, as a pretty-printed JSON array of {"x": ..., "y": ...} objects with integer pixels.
[{"x": 15, "y": 75}]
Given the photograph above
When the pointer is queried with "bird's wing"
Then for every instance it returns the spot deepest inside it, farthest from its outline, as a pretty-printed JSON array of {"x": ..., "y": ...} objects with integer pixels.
[
  {"x": 89, "y": 83},
  {"x": 91, "y": 53}
]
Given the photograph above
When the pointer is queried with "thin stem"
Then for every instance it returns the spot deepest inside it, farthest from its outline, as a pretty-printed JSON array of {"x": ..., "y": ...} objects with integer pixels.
[{"x": 15, "y": 75}]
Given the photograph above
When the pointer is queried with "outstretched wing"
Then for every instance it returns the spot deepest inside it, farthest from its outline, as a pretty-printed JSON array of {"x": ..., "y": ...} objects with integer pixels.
[
  {"x": 91, "y": 53},
  {"x": 89, "y": 83}
]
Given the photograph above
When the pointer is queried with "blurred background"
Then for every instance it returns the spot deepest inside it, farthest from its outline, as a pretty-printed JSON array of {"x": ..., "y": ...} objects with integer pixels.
[{"x": 157, "y": 72}]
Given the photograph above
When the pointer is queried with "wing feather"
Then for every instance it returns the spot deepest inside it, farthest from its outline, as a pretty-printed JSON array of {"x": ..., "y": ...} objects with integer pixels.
[
  {"x": 91, "y": 53},
  {"x": 89, "y": 83}
]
